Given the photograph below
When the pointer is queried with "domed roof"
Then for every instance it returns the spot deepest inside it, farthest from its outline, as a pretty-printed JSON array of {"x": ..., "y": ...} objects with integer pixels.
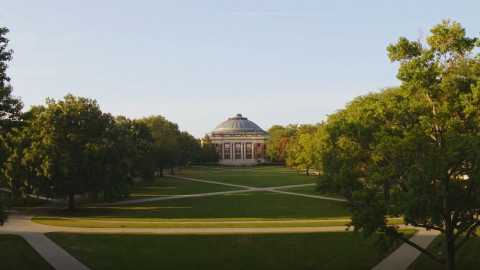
[{"x": 238, "y": 125}]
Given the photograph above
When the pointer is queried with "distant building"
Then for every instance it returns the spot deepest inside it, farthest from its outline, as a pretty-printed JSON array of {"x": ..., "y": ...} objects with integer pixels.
[{"x": 239, "y": 141}]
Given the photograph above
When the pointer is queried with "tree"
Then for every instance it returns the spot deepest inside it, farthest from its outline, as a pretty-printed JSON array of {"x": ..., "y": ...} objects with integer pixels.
[
  {"x": 208, "y": 152},
  {"x": 418, "y": 144},
  {"x": 189, "y": 149},
  {"x": 143, "y": 165},
  {"x": 69, "y": 148},
  {"x": 10, "y": 106},
  {"x": 309, "y": 148},
  {"x": 278, "y": 139},
  {"x": 165, "y": 136},
  {"x": 300, "y": 151}
]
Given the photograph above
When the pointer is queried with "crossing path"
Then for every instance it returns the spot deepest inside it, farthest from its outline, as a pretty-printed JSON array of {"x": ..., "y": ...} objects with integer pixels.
[{"x": 20, "y": 223}]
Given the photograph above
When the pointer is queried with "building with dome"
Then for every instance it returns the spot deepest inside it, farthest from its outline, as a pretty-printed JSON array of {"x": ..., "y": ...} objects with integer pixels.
[{"x": 239, "y": 141}]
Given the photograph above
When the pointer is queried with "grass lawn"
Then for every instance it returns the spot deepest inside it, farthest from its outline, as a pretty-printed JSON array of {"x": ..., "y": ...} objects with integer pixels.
[
  {"x": 465, "y": 258},
  {"x": 18, "y": 204},
  {"x": 241, "y": 206},
  {"x": 83, "y": 223},
  {"x": 16, "y": 253},
  {"x": 339, "y": 250},
  {"x": 167, "y": 186},
  {"x": 311, "y": 190},
  {"x": 260, "y": 176},
  {"x": 227, "y": 210}
]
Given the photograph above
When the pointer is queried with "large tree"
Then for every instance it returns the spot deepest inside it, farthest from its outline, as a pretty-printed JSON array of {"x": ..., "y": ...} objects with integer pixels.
[
  {"x": 208, "y": 152},
  {"x": 278, "y": 140},
  {"x": 418, "y": 144},
  {"x": 165, "y": 141},
  {"x": 143, "y": 164},
  {"x": 300, "y": 152},
  {"x": 10, "y": 106},
  {"x": 70, "y": 148}
]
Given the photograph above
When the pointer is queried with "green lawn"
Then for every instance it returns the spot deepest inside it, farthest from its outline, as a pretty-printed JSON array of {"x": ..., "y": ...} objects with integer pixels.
[
  {"x": 466, "y": 258},
  {"x": 261, "y": 176},
  {"x": 82, "y": 223},
  {"x": 16, "y": 253},
  {"x": 167, "y": 186},
  {"x": 248, "y": 206},
  {"x": 241, "y": 206},
  {"x": 18, "y": 204},
  {"x": 340, "y": 250},
  {"x": 311, "y": 190}
]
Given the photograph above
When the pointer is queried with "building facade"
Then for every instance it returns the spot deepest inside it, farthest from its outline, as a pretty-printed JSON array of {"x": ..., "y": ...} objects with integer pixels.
[{"x": 239, "y": 141}]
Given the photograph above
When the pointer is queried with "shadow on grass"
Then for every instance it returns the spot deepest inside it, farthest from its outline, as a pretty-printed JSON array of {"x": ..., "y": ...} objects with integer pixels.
[
  {"x": 336, "y": 250},
  {"x": 252, "y": 205}
]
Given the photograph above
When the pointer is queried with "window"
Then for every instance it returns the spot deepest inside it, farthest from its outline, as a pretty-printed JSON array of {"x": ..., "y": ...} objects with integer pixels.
[
  {"x": 238, "y": 150},
  {"x": 226, "y": 151},
  {"x": 258, "y": 145},
  {"x": 248, "y": 150}
]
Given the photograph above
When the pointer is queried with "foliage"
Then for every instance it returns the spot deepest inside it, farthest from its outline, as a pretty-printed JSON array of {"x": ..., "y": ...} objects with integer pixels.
[
  {"x": 170, "y": 147},
  {"x": 70, "y": 148},
  {"x": 279, "y": 138},
  {"x": 165, "y": 141},
  {"x": 414, "y": 151},
  {"x": 143, "y": 165},
  {"x": 303, "y": 148},
  {"x": 10, "y": 106},
  {"x": 208, "y": 152}
]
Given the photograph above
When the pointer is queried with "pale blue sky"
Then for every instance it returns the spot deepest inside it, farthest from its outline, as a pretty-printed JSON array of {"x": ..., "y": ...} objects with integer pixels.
[{"x": 199, "y": 62}]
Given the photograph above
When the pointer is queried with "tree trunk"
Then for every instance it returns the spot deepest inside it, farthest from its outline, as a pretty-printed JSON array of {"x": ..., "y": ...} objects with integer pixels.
[
  {"x": 71, "y": 201},
  {"x": 450, "y": 256},
  {"x": 307, "y": 172},
  {"x": 161, "y": 171},
  {"x": 171, "y": 170}
]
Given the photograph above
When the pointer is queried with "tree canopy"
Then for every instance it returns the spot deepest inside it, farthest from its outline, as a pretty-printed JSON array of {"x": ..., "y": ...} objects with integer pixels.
[
  {"x": 69, "y": 148},
  {"x": 414, "y": 151},
  {"x": 10, "y": 106}
]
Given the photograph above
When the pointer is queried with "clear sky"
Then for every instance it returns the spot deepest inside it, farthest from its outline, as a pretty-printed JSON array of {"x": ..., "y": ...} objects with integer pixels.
[{"x": 199, "y": 62}]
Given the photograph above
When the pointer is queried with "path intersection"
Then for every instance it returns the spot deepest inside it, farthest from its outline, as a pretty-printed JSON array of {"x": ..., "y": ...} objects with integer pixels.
[{"x": 21, "y": 223}]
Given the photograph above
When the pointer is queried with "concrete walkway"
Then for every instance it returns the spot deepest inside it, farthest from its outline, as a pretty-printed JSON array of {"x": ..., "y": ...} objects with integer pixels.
[
  {"x": 405, "y": 255},
  {"x": 20, "y": 223},
  {"x": 30, "y": 195},
  {"x": 52, "y": 253}
]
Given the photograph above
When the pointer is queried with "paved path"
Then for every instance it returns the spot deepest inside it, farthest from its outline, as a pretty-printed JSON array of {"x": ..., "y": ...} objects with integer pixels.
[
  {"x": 405, "y": 255},
  {"x": 29, "y": 195},
  {"x": 20, "y": 223},
  {"x": 271, "y": 189}
]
